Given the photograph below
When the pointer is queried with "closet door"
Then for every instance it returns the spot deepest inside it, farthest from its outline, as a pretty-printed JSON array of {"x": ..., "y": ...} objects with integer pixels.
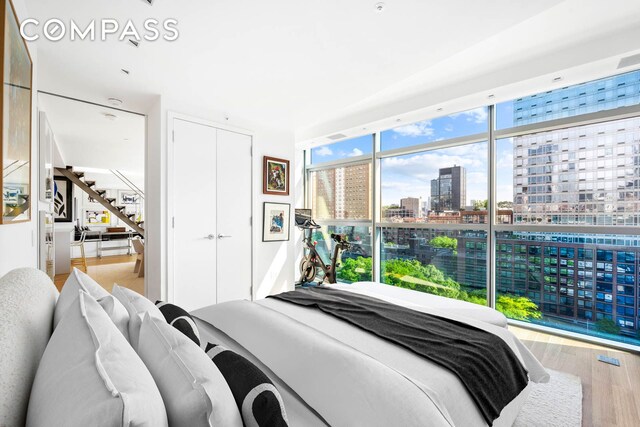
[
  {"x": 194, "y": 210},
  {"x": 234, "y": 216}
]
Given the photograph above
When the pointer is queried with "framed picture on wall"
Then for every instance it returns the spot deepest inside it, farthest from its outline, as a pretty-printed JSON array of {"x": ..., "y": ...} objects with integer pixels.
[
  {"x": 127, "y": 197},
  {"x": 97, "y": 217},
  {"x": 276, "y": 222},
  {"x": 275, "y": 176},
  {"x": 62, "y": 199}
]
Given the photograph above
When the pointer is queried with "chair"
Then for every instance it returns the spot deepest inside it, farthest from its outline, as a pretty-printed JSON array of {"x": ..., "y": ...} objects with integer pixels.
[
  {"x": 138, "y": 246},
  {"x": 82, "y": 261}
]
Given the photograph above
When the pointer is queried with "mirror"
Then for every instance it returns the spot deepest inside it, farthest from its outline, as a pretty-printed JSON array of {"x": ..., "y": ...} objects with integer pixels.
[{"x": 16, "y": 122}]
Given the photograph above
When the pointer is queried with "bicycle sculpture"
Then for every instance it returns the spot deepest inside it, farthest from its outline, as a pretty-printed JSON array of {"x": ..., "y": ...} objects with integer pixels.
[{"x": 312, "y": 263}]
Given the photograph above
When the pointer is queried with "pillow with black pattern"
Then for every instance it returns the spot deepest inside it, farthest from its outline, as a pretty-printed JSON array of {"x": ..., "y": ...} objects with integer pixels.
[
  {"x": 258, "y": 400},
  {"x": 180, "y": 319}
]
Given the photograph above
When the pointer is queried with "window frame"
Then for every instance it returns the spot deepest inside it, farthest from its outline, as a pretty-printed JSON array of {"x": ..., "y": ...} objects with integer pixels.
[{"x": 493, "y": 227}]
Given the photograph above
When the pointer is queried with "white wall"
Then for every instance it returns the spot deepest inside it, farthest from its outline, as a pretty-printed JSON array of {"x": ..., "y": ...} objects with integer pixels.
[
  {"x": 19, "y": 242},
  {"x": 155, "y": 199},
  {"x": 273, "y": 261}
]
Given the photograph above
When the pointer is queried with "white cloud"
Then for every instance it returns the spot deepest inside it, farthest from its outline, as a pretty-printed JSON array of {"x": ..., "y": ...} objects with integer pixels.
[
  {"x": 411, "y": 175},
  {"x": 355, "y": 153},
  {"x": 478, "y": 115},
  {"x": 324, "y": 151},
  {"x": 415, "y": 129}
]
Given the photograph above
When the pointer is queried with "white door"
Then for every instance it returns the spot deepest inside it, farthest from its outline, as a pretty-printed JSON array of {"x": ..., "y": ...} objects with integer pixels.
[
  {"x": 234, "y": 216},
  {"x": 194, "y": 211}
]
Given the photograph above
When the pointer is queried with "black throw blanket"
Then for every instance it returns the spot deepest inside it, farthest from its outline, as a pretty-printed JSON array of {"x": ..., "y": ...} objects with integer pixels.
[{"x": 484, "y": 363}]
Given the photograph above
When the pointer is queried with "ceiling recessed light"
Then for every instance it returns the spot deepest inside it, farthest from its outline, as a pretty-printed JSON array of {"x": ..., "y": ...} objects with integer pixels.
[
  {"x": 380, "y": 7},
  {"x": 134, "y": 43},
  {"x": 110, "y": 116},
  {"x": 125, "y": 71},
  {"x": 440, "y": 109},
  {"x": 115, "y": 102},
  {"x": 557, "y": 79},
  {"x": 398, "y": 120},
  {"x": 491, "y": 96}
]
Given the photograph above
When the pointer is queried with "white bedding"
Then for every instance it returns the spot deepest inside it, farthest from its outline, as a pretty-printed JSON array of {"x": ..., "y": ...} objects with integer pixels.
[
  {"x": 350, "y": 376},
  {"x": 298, "y": 413}
]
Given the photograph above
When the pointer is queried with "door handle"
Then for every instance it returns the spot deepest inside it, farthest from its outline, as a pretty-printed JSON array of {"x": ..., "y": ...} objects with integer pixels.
[
  {"x": 211, "y": 237},
  {"x": 223, "y": 236}
]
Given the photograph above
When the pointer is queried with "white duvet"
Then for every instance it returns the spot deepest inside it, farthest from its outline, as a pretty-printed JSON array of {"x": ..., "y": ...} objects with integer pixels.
[{"x": 353, "y": 378}]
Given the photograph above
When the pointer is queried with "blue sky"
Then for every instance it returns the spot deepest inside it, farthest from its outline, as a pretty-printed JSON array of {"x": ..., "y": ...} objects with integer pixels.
[{"x": 411, "y": 175}]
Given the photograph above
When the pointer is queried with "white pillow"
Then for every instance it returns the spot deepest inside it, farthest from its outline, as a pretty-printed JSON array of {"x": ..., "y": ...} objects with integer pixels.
[
  {"x": 136, "y": 305},
  {"x": 90, "y": 375},
  {"x": 79, "y": 281},
  {"x": 194, "y": 391}
]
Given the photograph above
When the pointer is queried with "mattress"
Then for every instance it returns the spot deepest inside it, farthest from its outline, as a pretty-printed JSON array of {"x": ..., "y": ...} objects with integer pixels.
[
  {"x": 333, "y": 373},
  {"x": 298, "y": 412}
]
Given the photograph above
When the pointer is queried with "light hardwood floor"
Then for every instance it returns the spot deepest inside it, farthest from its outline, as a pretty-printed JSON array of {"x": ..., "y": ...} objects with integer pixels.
[
  {"x": 611, "y": 395},
  {"x": 109, "y": 270}
]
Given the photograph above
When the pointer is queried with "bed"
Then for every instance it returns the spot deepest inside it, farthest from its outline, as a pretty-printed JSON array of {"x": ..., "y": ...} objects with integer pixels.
[
  {"x": 328, "y": 371},
  {"x": 303, "y": 348}
]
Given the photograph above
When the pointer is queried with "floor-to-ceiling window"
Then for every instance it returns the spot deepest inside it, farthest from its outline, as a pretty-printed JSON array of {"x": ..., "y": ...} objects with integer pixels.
[
  {"x": 339, "y": 185},
  {"x": 531, "y": 206}
]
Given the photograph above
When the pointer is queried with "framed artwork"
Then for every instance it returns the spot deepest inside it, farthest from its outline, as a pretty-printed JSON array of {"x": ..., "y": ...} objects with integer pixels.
[
  {"x": 127, "y": 197},
  {"x": 62, "y": 199},
  {"x": 15, "y": 121},
  {"x": 275, "y": 176},
  {"x": 97, "y": 217},
  {"x": 276, "y": 222}
]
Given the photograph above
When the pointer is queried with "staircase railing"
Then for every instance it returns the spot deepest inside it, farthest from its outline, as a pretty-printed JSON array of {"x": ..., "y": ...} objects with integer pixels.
[
  {"x": 16, "y": 169},
  {"x": 127, "y": 182}
]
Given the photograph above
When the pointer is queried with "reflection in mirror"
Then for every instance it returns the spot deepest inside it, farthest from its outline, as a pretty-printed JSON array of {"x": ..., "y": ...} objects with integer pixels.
[{"x": 16, "y": 124}]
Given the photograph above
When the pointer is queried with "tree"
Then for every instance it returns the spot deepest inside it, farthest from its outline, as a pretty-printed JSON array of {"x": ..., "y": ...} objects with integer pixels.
[
  {"x": 444, "y": 242},
  {"x": 607, "y": 326},
  {"x": 412, "y": 274},
  {"x": 517, "y": 308},
  {"x": 505, "y": 205},
  {"x": 480, "y": 205},
  {"x": 355, "y": 270}
]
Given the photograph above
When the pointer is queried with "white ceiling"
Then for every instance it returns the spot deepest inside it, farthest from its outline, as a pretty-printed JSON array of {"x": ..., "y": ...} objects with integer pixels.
[
  {"x": 294, "y": 64},
  {"x": 283, "y": 63},
  {"x": 87, "y": 139}
]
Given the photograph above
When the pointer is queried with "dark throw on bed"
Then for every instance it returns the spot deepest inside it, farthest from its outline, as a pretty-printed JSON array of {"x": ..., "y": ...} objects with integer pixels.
[{"x": 482, "y": 361}]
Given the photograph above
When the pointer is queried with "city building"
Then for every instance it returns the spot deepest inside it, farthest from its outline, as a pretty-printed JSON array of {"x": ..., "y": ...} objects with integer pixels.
[
  {"x": 400, "y": 212},
  {"x": 449, "y": 190},
  {"x": 586, "y": 175},
  {"x": 413, "y": 204},
  {"x": 342, "y": 193}
]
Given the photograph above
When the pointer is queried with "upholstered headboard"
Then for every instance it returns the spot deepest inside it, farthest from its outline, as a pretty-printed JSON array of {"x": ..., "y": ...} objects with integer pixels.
[{"x": 27, "y": 301}]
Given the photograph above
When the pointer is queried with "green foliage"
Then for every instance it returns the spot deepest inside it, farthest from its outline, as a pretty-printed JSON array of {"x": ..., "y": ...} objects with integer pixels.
[
  {"x": 517, "y": 308},
  {"x": 608, "y": 326},
  {"x": 505, "y": 205},
  {"x": 355, "y": 270},
  {"x": 445, "y": 242},
  {"x": 480, "y": 205},
  {"x": 411, "y": 274}
]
